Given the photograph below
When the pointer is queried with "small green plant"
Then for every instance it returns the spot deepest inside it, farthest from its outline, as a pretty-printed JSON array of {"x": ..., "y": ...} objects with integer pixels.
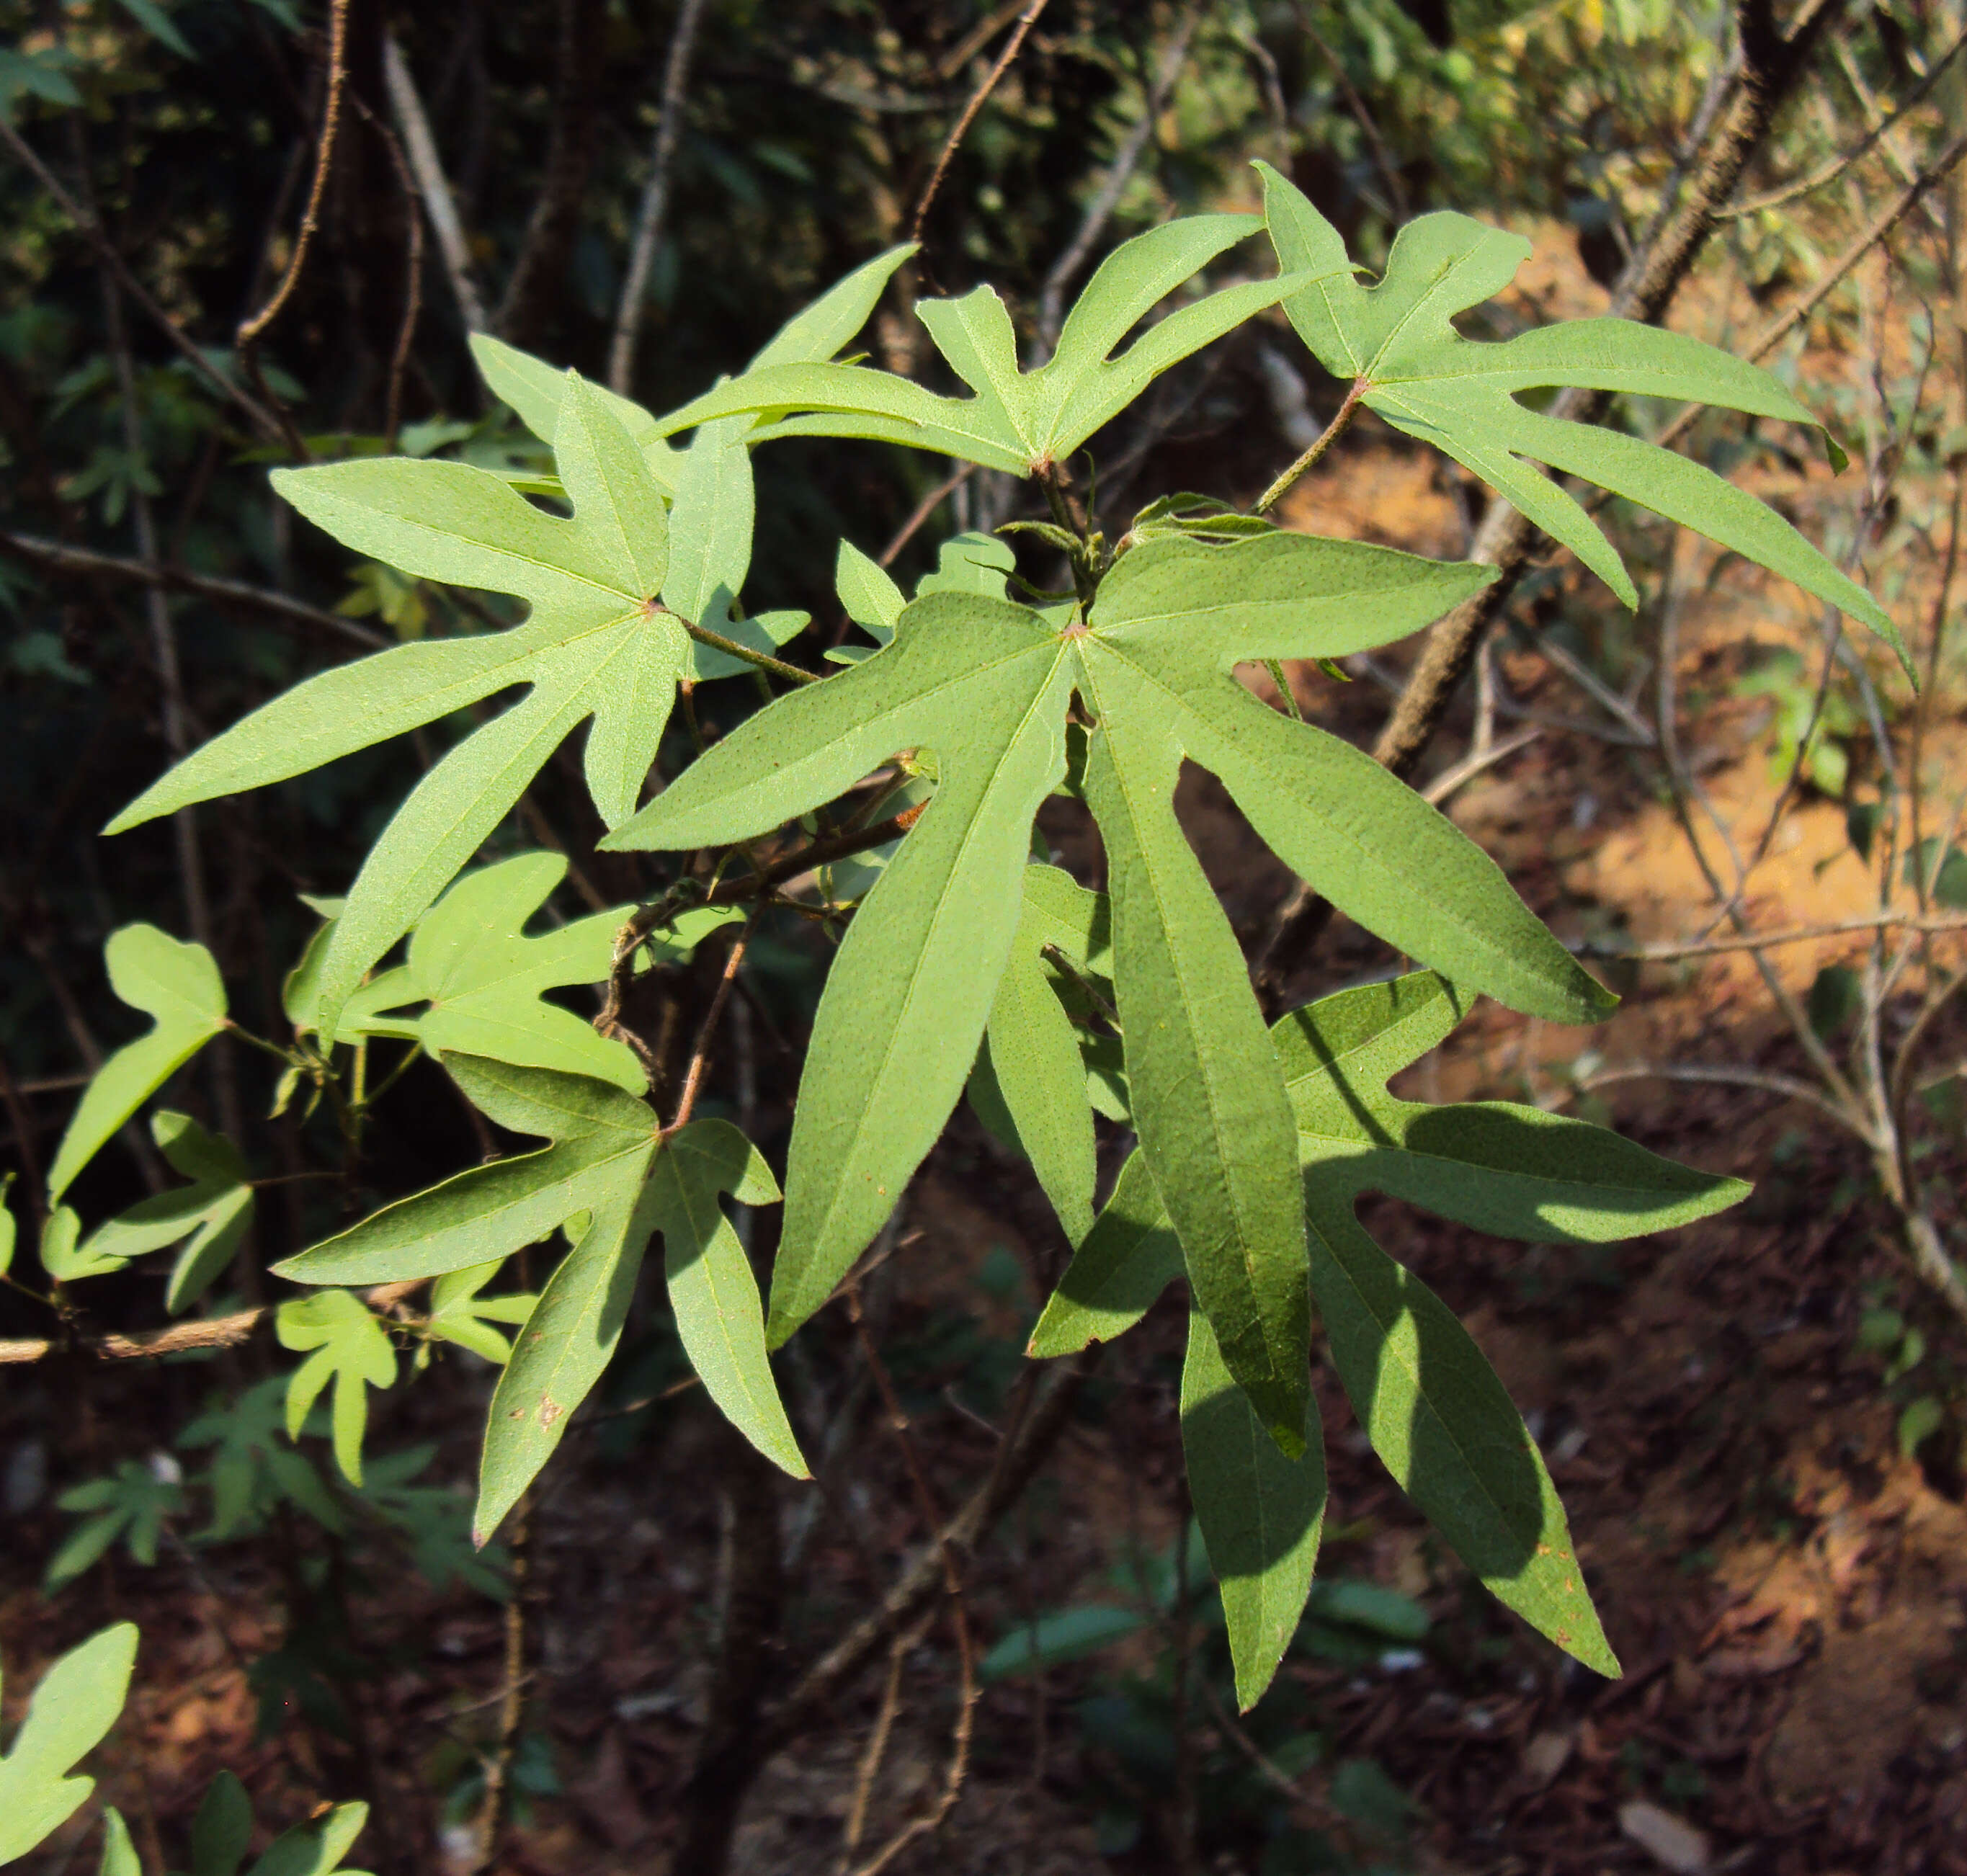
[{"x": 903, "y": 783}]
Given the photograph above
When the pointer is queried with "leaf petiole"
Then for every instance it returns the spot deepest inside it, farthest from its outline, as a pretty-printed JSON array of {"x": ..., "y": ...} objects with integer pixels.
[
  {"x": 731, "y": 648},
  {"x": 1323, "y": 441}
]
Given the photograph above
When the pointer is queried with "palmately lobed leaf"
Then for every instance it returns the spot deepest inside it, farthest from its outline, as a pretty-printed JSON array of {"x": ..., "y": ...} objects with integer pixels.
[
  {"x": 1433, "y": 1407},
  {"x": 1396, "y": 341}
]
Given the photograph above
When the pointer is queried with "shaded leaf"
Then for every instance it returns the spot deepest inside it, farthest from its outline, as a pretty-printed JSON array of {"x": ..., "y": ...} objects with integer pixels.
[
  {"x": 178, "y": 986},
  {"x": 481, "y": 979},
  {"x": 459, "y": 1314},
  {"x": 222, "y": 1831},
  {"x": 210, "y": 1215},
  {"x": 1262, "y": 1514}
]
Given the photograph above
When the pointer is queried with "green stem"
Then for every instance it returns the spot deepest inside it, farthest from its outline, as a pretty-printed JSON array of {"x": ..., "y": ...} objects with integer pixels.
[
  {"x": 1326, "y": 437},
  {"x": 731, "y": 648}
]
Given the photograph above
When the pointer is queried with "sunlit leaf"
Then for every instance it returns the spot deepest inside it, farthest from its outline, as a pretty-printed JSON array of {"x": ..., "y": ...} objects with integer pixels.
[
  {"x": 72, "y": 1709},
  {"x": 1395, "y": 342}
]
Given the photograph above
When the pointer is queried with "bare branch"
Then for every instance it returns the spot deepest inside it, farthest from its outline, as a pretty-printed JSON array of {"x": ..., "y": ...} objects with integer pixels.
[
  {"x": 655, "y": 199},
  {"x": 1012, "y": 45},
  {"x": 57, "y": 557},
  {"x": 439, "y": 203}
]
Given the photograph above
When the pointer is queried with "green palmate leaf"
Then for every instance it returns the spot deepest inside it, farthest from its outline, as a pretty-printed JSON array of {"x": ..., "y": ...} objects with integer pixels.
[
  {"x": 254, "y": 1470},
  {"x": 1130, "y": 1256},
  {"x": 867, "y": 595},
  {"x": 133, "y": 1503},
  {"x": 210, "y": 1216},
  {"x": 604, "y": 1178},
  {"x": 350, "y": 1349},
  {"x": 1395, "y": 342},
  {"x": 73, "y": 1708},
  {"x": 480, "y": 979},
  {"x": 984, "y": 685},
  {"x": 1433, "y": 1405},
  {"x": 596, "y": 645},
  {"x": 460, "y": 1314},
  {"x": 1262, "y": 1514},
  {"x": 178, "y": 987},
  {"x": 711, "y": 1289},
  {"x": 1020, "y": 422},
  {"x": 63, "y": 1256}
]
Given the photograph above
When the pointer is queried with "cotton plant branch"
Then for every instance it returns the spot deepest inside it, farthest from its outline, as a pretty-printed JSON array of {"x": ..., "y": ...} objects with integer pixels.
[
  {"x": 440, "y": 204},
  {"x": 654, "y": 202}
]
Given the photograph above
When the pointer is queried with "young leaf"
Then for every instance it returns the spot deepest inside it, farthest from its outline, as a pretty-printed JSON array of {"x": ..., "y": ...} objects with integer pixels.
[
  {"x": 984, "y": 684},
  {"x": 1018, "y": 422},
  {"x": 350, "y": 1349},
  {"x": 1397, "y": 344},
  {"x": 481, "y": 978},
  {"x": 178, "y": 987},
  {"x": 459, "y": 1314},
  {"x": 1130, "y": 1256},
  {"x": 133, "y": 1503},
  {"x": 73, "y": 1708},
  {"x": 712, "y": 1290},
  {"x": 867, "y": 595},
  {"x": 1262, "y": 1514},
  {"x": 212, "y": 1214},
  {"x": 596, "y": 644},
  {"x": 64, "y": 1257}
]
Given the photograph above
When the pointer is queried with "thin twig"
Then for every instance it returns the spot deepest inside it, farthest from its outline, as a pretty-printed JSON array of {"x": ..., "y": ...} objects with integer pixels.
[
  {"x": 1790, "y": 1087},
  {"x": 57, "y": 557},
  {"x": 1026, "y": 21},
  {"x": 497, "y": 1801},
  {"x": 700, "y": 1055},
  {"x": 252, "y": 329},
  {"x": 930, "y": 1820},
  {"x": 1764, "y": 941},
  {"x": 655, "y": 199},
  {"x": 1836, "y": 167},
  {"x": 923, "y": 510},
  {"x": 413, "y": 267}
]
